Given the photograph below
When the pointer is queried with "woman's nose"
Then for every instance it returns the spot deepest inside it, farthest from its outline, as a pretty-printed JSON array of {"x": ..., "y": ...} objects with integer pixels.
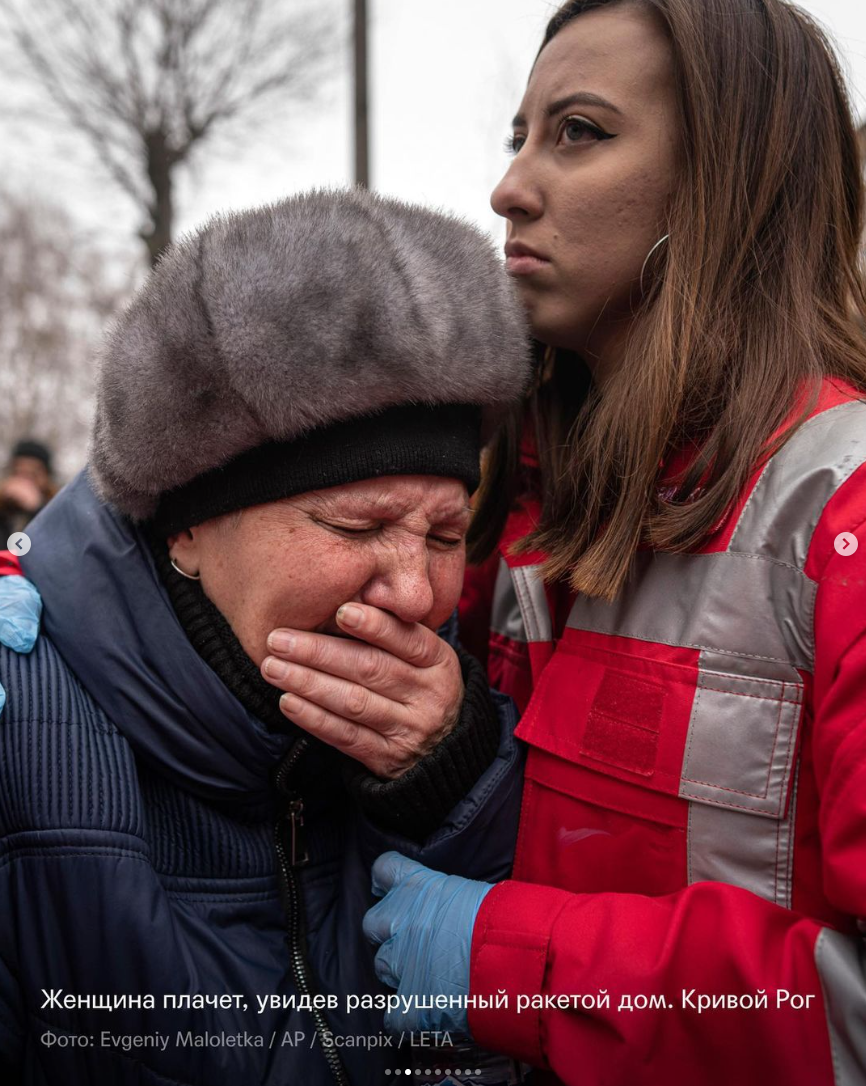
[
  {"x": 401, "y": 585},
  {"x": 517, "y": 195}
]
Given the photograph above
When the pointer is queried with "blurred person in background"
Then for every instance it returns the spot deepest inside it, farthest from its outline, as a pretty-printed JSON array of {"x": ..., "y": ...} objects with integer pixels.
[{"x": 28, "y": 486}]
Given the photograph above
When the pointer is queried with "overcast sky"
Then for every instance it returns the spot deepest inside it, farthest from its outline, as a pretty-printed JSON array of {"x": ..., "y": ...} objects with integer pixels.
[{"x": 446, "y": 79}]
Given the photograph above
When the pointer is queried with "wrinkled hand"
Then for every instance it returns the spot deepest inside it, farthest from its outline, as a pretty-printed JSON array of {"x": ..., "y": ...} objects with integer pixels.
[
  {"x": 386, "y": 703},
  {"x": 20, "y": 609},
  {"x": 424, "y": 924}
]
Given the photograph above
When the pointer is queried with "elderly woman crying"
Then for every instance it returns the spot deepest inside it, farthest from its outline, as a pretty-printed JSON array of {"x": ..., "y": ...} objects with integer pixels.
[{"x": 240, "y": 697}]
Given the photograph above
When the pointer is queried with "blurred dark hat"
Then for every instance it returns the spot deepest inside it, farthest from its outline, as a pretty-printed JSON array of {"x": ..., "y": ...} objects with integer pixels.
[{"x": 35, "y": 450}]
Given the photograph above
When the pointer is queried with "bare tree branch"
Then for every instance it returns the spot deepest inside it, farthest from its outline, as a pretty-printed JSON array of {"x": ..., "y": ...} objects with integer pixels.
[
  {"x": 56, "y": 298},
  {"x": 76, "y": 111},
  {"x": 149, "y": 81}
]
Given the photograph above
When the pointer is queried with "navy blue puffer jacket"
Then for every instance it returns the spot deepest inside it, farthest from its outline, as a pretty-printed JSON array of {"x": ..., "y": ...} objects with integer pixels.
[{"x": 137, "y": 846}]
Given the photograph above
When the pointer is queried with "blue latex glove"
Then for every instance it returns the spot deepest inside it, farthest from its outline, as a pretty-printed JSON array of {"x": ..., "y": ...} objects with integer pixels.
[
  {"x": 424, "y": 923},
  {"x": 20, "y": 611}
]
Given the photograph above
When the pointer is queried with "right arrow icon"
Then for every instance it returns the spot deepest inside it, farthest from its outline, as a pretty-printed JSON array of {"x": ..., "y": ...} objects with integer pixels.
[{"x": 846, "y": 543}]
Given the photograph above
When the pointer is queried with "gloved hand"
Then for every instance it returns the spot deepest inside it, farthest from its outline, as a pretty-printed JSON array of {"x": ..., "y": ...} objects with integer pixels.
[
  {"x": 424, "y": 924},
  {"x": 20, "y": 610}
]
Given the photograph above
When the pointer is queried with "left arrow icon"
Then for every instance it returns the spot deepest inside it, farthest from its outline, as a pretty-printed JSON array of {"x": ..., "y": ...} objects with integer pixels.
[{"x": 18, "y": 543}]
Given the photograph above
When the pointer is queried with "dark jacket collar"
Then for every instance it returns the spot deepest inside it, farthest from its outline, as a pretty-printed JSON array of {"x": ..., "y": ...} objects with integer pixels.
[{"x": 110, "y": 618}]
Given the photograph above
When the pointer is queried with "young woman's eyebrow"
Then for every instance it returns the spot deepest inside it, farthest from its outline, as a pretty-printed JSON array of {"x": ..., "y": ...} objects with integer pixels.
[{"x": 581, "y": 98}]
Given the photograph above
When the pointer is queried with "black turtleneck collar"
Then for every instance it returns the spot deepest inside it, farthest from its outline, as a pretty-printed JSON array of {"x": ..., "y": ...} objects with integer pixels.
[{"x": 214, "y": 640}]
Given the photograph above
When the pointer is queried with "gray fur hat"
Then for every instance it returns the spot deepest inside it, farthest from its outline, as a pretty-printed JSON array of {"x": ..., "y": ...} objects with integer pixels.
[{"x": 268, "y": 325}]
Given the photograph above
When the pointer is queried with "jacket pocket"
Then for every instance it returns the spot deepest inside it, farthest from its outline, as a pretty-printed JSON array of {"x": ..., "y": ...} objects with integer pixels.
[
  {"x": 742, "y": 742},
  {"x": 622, "y": 748}
]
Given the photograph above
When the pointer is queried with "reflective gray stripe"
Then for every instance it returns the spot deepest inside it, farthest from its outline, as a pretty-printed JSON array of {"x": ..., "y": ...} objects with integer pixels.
[
  {"x": 750, "y": 751},
  {"x": 505, "y": 617},
  {"x": 737, "y": 764},
  {"x": 533, "y": 603},
  {"x": 784, "y": 508},
  {"x": 741, "y": 741},
  {"x": 841, "y": 963},
  {"x": 754, "y": 611},
  {"x": 754, "y": 600},
  {"x": 785, "y": 847},
  {"x": 733, "y": 846}
]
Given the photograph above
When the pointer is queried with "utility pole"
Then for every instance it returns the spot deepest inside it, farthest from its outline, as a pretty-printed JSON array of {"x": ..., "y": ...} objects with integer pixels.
[{"x": 362, "y": 130}]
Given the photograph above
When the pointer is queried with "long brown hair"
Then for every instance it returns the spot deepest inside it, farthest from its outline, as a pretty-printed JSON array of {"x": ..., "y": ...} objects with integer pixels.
[{"x": 758, "y": 290}]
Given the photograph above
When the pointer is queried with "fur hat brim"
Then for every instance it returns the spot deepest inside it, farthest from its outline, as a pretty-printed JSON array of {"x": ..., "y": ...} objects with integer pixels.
[{"x": 270, "y": 323}]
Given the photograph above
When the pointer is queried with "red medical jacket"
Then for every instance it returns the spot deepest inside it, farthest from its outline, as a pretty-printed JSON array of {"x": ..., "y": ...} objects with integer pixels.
[{"x": 689, "y": 890}]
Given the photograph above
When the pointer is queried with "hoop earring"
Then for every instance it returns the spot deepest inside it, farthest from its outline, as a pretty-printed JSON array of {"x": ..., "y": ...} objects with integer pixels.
[
  {"x": 661, "y": 241},
  {"x": 189, "y": 576}
]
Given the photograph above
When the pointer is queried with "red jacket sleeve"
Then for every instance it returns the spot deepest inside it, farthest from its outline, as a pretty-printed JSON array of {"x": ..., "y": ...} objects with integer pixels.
[
  {"x": 9, "y": 566},
  {"x": 712, "y": 939}
]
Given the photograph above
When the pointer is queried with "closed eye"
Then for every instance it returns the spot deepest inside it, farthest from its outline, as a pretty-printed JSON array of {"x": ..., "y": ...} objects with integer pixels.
[
  {"x": 346, "y": 530},
  {"x": 447, "y": 541}
]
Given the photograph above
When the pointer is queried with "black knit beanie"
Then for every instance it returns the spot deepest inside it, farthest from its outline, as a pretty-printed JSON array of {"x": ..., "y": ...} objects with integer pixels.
[
  {"x": 411, "y": 439},
  {"x": 34, "y": 450}
]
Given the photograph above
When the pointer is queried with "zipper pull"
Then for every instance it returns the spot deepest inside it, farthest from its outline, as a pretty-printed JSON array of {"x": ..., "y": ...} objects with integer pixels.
[{"x": 296, "y": 844}]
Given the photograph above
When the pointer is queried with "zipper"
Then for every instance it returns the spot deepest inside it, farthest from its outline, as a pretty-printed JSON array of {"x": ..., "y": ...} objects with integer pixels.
[{"x": 292, "y": 854}]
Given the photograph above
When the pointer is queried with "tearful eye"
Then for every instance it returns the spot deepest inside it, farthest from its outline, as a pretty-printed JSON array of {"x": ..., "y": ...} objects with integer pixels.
[
  {"x": 345, "y": 529},
  {"x": 446, "y": 541}
]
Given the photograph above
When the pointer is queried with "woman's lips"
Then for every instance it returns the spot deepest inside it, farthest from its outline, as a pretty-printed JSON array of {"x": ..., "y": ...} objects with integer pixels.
[
  {"x": 524, "y": 265},
  {"x": 521, "y": 260}
]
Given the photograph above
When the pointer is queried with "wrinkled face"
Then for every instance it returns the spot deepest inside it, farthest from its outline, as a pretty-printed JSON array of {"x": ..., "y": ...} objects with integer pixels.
[
  {"x": 595, "y": 144},
  {"x": 396, "y": 543}
]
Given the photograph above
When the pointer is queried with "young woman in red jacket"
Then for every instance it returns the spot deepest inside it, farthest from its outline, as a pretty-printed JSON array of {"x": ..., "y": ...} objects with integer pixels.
[{"x": 669, "y": 582}]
